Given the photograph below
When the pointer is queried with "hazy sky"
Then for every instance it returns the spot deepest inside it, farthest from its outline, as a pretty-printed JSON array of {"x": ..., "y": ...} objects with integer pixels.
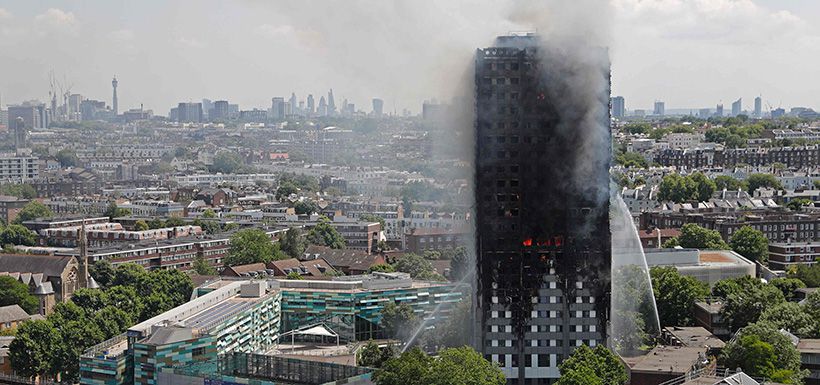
[{"x": 689, "y": 53}]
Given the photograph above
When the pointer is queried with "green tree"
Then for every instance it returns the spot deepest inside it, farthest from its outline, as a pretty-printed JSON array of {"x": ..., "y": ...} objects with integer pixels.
[
  {"x": 741, "y": 309},
  {"x": 226, "y": 162},
  {"x": 694, "y": 236},
  {"x": 791, "y": 317},
  {"x": 373, "y": 356},
  {"x": 90, "y": 300},
  {"x": 174, "y": 222},
  {"x": 674, "y": 188},
  {"x": 638, "y": 128},
  {"x": 102, "y": 272},
  {"x": 808, "y": 274},
  {"x": 746, "y": 352},
  {"x": 140, "y": 225},
  {"x": 284, "y": 190},
  {"x": 582, "y": 376},
  {"x": 675, "y": 296},
  {"x": 292, "y": 243},
  {"x": 112, "y": 321},
  {"x": 129, "y": 274},
  {"x": 367, "y": 217},
  {"x": 115, "y": 212},
  {"x": 787, "y": 286},
  {"x": 631, "y": 159},
  {"x": 751, "y": 244},
  {"x": 381, "y": 268},
  {"x": 799, "y": 203},
  {"x": 208, "y": 214},
  {"x": 33, "y": 210},
  {"x": 67, "y": 158},
  {"x": 17, "y": 235},
  {"x": 156, "y": 223},
  {"x": 605, "y": 364},
  {"x": 202, "y": 267},
  {"x": 452, "y": 366},
  {"x": 728, "y": 183},
  {"x": 305, "y": 207},
  {"x": 294, "y": 275},
  {"x": 413, "y": 264},
  {"x": 324, "y": 234},
  {"x": 31, "y": 352},
  {"x": 398, "y": 321},
  {"x": 703, "y": 187},
  {"x": 671, "y": 243},
  {"x": 14, "y": 292},
  {"x": 22, "y": 191},
  {"x": 251, "y": 246},
  {"x": 755, "y": 181}
]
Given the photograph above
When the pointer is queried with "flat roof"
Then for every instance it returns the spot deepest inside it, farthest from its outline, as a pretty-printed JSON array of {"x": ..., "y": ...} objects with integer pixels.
[
  {"x": 668, "y": 359},
  {"x": 696, "y": 336}
]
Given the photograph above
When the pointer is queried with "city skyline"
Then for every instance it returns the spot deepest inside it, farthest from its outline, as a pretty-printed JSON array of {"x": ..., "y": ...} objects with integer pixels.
[{"x": 332, "y": 56}]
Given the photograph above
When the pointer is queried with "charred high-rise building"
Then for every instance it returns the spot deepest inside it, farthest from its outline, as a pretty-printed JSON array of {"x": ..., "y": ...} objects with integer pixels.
[{"x": 542, "y": 204}]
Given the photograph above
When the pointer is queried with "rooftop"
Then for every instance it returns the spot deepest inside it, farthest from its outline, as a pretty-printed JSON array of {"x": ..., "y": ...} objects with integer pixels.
[{"x": 667, "y": 359}]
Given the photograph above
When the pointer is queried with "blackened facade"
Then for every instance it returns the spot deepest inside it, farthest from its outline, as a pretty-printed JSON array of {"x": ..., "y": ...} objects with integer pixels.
[{"x": 542, "y": 207}]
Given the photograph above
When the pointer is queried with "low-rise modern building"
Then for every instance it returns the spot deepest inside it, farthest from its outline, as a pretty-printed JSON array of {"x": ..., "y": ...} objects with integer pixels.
[
  {"x": 248, "y": 317},
  {"x": 707, "y": 315},
  {"x": 707, "y": 266},
  {"x": 420, "y": 240},
  {"x": 18, "y": 169},
  {"x": 810, "y": 359}
]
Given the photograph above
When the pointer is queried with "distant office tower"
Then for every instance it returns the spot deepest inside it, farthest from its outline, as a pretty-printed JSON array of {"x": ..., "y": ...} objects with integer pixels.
[
  {"x": 322, "y": 111},
  {"x": 294, "y": 105},
  {"x": 311, "y": 105},
  {"x": 220, "y": 111},
  {"x": 302, "y": 107},
  {"x": 34, "y": 114},
  {"x": 233, "y": 111},
  {"x": 331, "y": 105},
  {"x": 207, "y": 106},
  {"x": 114, "y": 103},
  {"x": 737, "y": 107},
  {"x": 758, "y": 107},
  {"x": 74, "y": 101},
  {"x": 378, "y": 107},
  {"x": 778, "y": 113},
  {"x": 277, "y": 108},
  {"x": 618, "y": 107},
  {"x": 719, "y": 110},
  {"x": 89, "y": 109},
  {"x": 189, "y": 112},
  {"x": 542, "y": 211},
  {"x": 18, "y": 128},
  {"x": 660, "y": 108}
]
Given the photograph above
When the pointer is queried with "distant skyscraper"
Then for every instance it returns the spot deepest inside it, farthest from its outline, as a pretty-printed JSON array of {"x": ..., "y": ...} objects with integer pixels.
[
  {"x": 322, "y": 111},
  {"x": 618, "y": 107},
  {"x": 18, "y": 128},
  {"x": 34, "y": 114},
  {"x": 331, "y": 105},
  {"x": 378, "y": 107},
  {"x": 542, "y": 214},
  {"x": 294, "y": 105},
  {"x": 758, "y": 107},
  {"x": 207, "y": 106},
  {"x": 778, "y": 113},
  {"x": 114, "y": 103},
  {"x": 311, "y": 105},
  {"x": 737, "y": 107},
  {"x": 189, "y": 112},
  {"x": 277, "y": 108},
  {"x": 660, "y": 108},
  {"x": 719, "y": 110},
  {"x": 220, "y": 111}
]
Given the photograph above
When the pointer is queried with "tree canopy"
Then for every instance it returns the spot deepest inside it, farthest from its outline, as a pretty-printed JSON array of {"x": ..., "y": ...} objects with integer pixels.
[
  {"x": 694, "y": 236},
  {"x": 22, "y": 191},
  {"x": 252, "y": 246},
  {"x": 680, "y": 189},
  {"x": 14, "y": 292},
  {"x": 292, "y": 243},
  {"x": 113, "y": 211},
  {"x": 452, "y": 366},
  {"x": 750, "y": 243},
  {"x": 762, "y": 351},
  {"x": 324, "y": 234},
  {"x": 675, "y": 296},
  {"x": 33, "y": 210},
  {"x": 598, "y": 365},
  {"x": 755, "y": 181}
]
